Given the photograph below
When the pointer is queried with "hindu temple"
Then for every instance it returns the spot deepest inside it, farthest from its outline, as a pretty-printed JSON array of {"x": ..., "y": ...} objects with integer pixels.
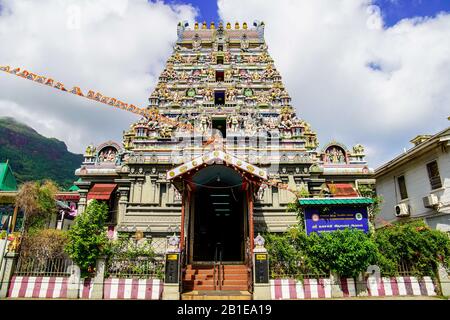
[{"x": 248, "y": 156}]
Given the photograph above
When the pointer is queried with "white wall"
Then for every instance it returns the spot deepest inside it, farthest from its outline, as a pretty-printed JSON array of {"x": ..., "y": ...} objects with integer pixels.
[{"x": 417, "y": 185}]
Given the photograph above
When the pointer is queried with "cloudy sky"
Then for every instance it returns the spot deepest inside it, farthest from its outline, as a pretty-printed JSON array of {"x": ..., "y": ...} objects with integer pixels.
[{"x": 359, "y": 71}]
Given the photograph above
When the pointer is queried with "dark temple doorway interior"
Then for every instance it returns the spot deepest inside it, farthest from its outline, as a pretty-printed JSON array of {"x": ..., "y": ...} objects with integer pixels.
[{"x": 219, "y": 215}]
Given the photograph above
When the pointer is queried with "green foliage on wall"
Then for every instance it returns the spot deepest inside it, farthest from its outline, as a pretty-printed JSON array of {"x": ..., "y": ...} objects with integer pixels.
[
  {"x": 346, "y": 252},
  {"x": 349, "y": 252},
  {"x": 412, "y": 244},
  {"x": 87, "y": 237}
]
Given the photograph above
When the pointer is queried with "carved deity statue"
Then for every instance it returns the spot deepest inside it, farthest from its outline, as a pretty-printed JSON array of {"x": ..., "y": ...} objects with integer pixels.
[
  {"x": 165, "y": 131},
  {"x": 334, "y": 155},
  {"x": 256, "y": 76},
  {"x": 233, "y": 122},
  {"x": 285, "y": 118},
  {"x": 227, "y": 57},
  {"x": 231, "y": 94},
  {"x": 207, "y": 94},
  {"x": 244, "y": 43},
  {"x": 90, "y": 150},
  {"x": 197, "y": 43},
  {"x": 269, "y": 72},
  {"x": 204, "y": 123},
  {"x": 358, "y": 149},
  {"x": 228, "y": 74},
  {"x": 263, "y": 97}
]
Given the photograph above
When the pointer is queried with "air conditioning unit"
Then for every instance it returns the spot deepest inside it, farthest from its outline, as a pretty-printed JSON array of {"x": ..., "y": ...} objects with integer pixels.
[
  {"x": 430, "y": 201},
  {"x": 402, "y": 210}
]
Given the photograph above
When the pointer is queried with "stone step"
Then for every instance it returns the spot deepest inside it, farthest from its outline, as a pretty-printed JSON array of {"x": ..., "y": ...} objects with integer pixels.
[
  {"x": 216, "y": 295},
  {"x": 203, "y": 287},
  {"x": 226, "y": 276}
]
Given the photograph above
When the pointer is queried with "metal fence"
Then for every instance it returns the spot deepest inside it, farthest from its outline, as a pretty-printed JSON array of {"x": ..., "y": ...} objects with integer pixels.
[
  {"x": 294, "y": 270},
  {"x": 143, "y": 268},
  {"x": 43, "y": 267}
]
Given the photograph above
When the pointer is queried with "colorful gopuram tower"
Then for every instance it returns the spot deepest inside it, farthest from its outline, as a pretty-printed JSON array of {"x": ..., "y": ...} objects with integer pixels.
[{"x": 214, "y": 185}]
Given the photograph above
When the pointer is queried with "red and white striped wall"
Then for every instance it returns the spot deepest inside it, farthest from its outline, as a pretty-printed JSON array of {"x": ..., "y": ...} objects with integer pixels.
[
  {"x": 38, "y": 287},
  {"x": 400, "y": 286},
  {"x": 146, "y": 289},
  {"x": 376, "y": 287},
  {"x": 294, "y": 289},
  {"x": 85, "y": 289}
]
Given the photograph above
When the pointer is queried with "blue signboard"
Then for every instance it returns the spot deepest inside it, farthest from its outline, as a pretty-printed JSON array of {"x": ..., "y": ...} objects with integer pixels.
[{"x": 336, "y": 218}]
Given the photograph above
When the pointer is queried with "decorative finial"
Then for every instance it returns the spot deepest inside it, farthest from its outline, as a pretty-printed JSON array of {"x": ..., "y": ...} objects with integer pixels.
[
  {"x": 228, "y": 25},
  {"x": 196, "y": 25},
  {"x": 244, "y": 25},
  {"x": 236, "y": 25},
  {"x": 212, "y": 26},
  {"x": 204, "y": 25}
]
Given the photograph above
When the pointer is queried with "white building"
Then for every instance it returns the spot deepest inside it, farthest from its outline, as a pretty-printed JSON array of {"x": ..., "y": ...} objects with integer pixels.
[{"x": 416, "y": 184}]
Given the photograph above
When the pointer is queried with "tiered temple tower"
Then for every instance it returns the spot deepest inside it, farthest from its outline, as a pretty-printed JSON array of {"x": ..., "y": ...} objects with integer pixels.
[{"x": 215, "y": 184}]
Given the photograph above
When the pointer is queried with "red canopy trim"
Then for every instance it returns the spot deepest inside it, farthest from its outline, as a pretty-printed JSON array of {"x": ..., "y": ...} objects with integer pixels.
[
  {"x": 342, "y": 190},
  {"x": 101, "y": 191}
]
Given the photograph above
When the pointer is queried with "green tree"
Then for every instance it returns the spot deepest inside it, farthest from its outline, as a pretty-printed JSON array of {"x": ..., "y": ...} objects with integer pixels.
[{"x": 87, "y": 237}]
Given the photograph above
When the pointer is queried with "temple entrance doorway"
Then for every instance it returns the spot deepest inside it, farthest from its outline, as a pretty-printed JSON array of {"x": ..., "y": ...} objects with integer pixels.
[{"x": 218, "y": 227}]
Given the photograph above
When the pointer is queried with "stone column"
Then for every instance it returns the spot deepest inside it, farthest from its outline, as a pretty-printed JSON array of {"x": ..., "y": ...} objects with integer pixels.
[
  {"x": 82, "y": 202},
  {"x": 122, "y": 207},
  {"x": 373, "y": 275},
  {"x": 261, "y": 282},
  {"x": 444, "y": 280},
  {"x": 97, "y": 285},
  {"x": 7, "y": 272},
  {"x": 336, "y": 290},
  {"x": 73, "y": 285}
]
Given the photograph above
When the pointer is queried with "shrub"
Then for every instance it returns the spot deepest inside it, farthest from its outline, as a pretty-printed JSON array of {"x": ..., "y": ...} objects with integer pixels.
[
  {"x": 346, "y": 252},
  {"x": 413, "y": 244},
  {"x": 87, "y": 237},
  {"x": 37, "y": 200},
  {"x": 44, "y": 244},
  {"x": 128, "y": 248}
]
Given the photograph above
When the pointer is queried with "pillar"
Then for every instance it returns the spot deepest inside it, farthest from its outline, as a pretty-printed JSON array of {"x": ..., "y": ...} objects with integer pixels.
[
  {"x": 444, "y": 280},
  {"x": 73, "y": 285},
  {"x": 123, "y": 201},
  {"x": 7, "y": 273},
  {"x": 97, "y": 285},
  {"x": 336, "y": 290},
  {"x": 261, "y": 282},
  {"x": 83, "y": 200}
]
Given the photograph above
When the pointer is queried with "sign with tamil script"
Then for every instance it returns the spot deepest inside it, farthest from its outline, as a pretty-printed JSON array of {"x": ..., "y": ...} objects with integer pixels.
[{"x": 335, "y": 218}]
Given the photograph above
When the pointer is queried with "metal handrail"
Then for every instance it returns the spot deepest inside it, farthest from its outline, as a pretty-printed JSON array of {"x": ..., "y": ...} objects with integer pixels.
[
  {"x": 215, "y": 262},
  {"x": 221, "y": 274},
  {"x": 218, "y": 277}
]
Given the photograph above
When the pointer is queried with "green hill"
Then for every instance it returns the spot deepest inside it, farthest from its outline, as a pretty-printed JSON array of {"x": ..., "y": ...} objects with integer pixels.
[{"x": 35, "y": 157}]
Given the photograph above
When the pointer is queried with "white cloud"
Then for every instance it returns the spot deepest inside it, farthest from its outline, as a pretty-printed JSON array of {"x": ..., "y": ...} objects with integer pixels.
[
  {"x": 117, "y": 47},
  {"x": 323, "y": 50}
]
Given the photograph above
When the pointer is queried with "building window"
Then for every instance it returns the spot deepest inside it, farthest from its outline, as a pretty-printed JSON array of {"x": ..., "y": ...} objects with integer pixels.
[
  {"x": 220, "y": 47},
  {"x": 219, "y": 97},
  {"x": 220, "y": 125},
  {"x": 219, "y": 76},
  {"x": 402, "y": 187},
  {"x": 219, "y": 59},
  {"x": 433, "y": 175}
]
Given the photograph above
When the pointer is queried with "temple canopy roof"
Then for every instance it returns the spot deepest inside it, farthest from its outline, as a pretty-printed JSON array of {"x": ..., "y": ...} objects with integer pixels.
[
  {"x": 216, "y": 157},
  {"x": 7, "y": 180}
]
